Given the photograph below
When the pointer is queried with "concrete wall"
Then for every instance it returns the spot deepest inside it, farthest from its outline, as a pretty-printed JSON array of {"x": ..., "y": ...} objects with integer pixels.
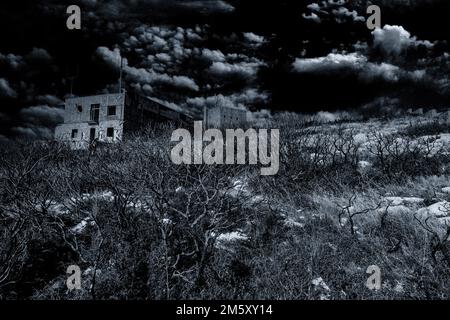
[
  {"x": 77, "y": 116},
  {"x": 73, "y": 115},
  {"x": 64, "y": 132},
  {"x": 224, "y": 117}
]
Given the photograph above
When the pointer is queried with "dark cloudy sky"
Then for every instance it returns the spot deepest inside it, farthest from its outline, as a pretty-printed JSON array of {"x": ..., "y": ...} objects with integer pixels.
[{"x": 297, "y": 55}]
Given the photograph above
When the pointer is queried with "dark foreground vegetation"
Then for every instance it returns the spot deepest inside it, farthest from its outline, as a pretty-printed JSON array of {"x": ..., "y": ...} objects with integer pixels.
[{"x": 141, "y": 227}]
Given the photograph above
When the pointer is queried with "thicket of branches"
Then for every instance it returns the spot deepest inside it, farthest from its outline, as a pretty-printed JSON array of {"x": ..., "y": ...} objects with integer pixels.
[{"x": 141, "y": 227}]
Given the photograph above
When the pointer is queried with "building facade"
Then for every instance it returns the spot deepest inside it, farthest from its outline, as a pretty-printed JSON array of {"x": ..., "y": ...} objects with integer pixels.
[
  {"x": 93, "y": 118},
  {"x": 222, "y": 117},
  {"x": 108, "y": 117}
]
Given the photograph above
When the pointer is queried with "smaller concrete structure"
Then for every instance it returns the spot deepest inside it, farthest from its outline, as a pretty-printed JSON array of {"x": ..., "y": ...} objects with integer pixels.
[{"x": 221, "y": 117}]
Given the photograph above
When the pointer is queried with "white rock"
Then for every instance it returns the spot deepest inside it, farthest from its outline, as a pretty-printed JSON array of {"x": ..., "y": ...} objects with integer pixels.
[
  {"x": 232, "y": 237},
  {"x": 396, "y": 201},
  {"x": 446, "y": 190},
  {"x": 440, "y": 210}
]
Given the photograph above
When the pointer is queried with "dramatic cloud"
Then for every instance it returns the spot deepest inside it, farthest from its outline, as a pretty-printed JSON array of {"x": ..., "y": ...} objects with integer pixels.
[
  {"x": 354, "y": 63},
  {"x": 241, "y": 100},
  {"x": 38, "y": 122},
  {"x": 313, "y": 17},
  {"x": 34, "y": 132},
  {"x": 189, "y": 52},
  {"x": 39, "y": 54},
  {"x": 405, "y": 3},
  {"x": 343, "y": 14},
  {"x": 213, "y": 55},
  {"x": 12, "y": 61},
  {"x": 6, "y": 90},
  {"x": 42, "y": 115},
  {"x": 178, "y": 57},
  {"x": 254, "y": 39},
  {"x": 245, "y": 70},
  {"x": 145, "y": 76},
  {"x": 206, "y": 5},
  {"x": 21, "y": 76},
  {"x": 332, "y": 10},
  {"x": 127, "y": 8},
  {"x": 111, "y": 57},
  {"x": 393, "y": 40},
  {"x": 49, "y": 99}
]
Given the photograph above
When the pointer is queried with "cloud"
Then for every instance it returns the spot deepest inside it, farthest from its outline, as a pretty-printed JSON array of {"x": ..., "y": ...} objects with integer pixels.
[
  {"x": 213, "y": 101},
  {"x": 38, "y": 122},
  {"x": 406, "y": 3},
  {"x": 169, "y": 55},
  {"x": 241, "y": 100},
  {"x": 49, "y": 99},
  {"x": 313, "y": 17},
  {"x": 11, "y": 60},
  {"x": 313, "y": 7},
  {"x": 343, "y": 14},
  {"x": 6, "y": 90},
  {"x": 23, "y": 75},
  {"x": 254, "y": 39},
  {"x": 144, "y": 75},
  {"x": 355, "y": 63},
  {"x": 33, "y": 132},
  {"x": 123, "y": 9},
  {"x": 111, "y": 57},
  {"x": 213, "y": 55},
  {"x": 208, "y": 6},
  {"x": 42, "y": 115},
  {"x": 332, "y": 61},
  {"x": 39, "y": 54},
  {"x": 393, "y": 40},
  {"x": 247, "y": 70},
  {"x": 332, "y": 10}
]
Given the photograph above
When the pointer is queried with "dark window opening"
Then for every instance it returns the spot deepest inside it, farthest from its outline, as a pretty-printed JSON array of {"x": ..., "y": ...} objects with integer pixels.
[
  {"x": 111, "y": 110},
  {"x": 95, "y": 112},
  {"x": 110, "y": 132},
  {"x": 92, "y": 134},
  {"x": 74, "y": 133},
  {"x": 80, "y": 108}
]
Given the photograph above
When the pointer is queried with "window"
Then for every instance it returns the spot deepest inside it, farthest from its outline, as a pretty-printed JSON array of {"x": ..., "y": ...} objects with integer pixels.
[
  {"x": 95, "y": 112},
  {"x": 111, "y": 110},
  {"x": 74, "y": 133},
  {"x": 80, "y": 108},
  {"x": 110, "y": 132}
]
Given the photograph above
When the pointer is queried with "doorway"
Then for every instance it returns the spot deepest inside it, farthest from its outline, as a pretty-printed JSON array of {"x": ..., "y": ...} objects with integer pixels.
[{"x": 92, "y": 134}]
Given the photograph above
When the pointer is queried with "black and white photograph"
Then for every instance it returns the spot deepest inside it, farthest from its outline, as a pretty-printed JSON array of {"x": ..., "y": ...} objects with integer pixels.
[{"x": 224, "y": 150}]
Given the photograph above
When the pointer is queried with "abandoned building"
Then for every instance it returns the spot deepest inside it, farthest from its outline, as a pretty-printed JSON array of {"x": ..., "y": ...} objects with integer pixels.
[
  {"x": 108, "y": 117},
  {"x": 224, "y": 117}
]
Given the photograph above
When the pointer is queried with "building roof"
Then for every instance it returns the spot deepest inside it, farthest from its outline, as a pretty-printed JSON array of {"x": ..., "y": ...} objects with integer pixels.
[
  {"x": 228, "y": 107},
  {"x": 173, "y": 106},
  {"x": 94, "y": 96}
]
